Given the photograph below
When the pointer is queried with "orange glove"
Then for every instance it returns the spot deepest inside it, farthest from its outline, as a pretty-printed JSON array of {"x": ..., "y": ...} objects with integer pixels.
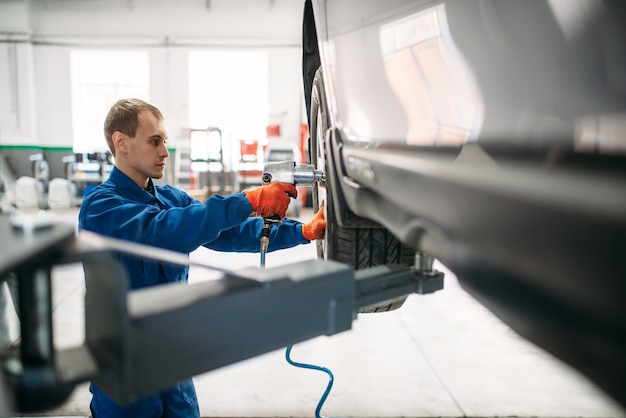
[
  {"x": 271, "y": 199},
  {"x": 315, "y": 229}
]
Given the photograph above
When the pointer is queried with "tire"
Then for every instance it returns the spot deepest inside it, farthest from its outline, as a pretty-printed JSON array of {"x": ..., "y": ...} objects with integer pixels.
[{"x": 358, "y": 247}]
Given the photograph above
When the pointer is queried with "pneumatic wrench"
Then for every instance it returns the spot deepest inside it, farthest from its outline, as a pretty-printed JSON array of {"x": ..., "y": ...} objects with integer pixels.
[
  {"x": 290, "y": 172},
  {"x": 285, "y": 172}
]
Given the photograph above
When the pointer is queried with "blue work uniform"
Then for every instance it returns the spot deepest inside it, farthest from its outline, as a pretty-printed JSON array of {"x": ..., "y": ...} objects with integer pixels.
[{"x": 169, "y": 218}]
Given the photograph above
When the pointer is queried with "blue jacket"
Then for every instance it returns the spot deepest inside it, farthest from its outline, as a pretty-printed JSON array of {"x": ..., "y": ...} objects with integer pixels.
[{"x": 172, "y": 220}]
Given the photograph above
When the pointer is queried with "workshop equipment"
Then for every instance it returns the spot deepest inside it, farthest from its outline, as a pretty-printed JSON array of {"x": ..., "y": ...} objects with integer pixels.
[
  {"x": 250, "y": 166},
  {"x": 265, "y": 240},
  {"x": 265, "y": 236},
  {"x": 141, "y": 341},
  {"x": 201, "y": 157},
  {"x": 7, "y": 185},
  {"x": 62, "y": 194},
  {"x": 285, "y": 172},
  {"x": 329, "y": 385},
  {"x": 40, "y": 169},
  {"x": 86, "y": 171},
  {"x": 285, "y": 150},
  {"x": 29, "y": 193},
  {"x": 290, "y": 172}
]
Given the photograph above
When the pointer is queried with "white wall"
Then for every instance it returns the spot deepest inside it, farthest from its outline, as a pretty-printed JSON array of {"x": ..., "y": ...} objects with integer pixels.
[
  {"x": 17, "y": 93},
  {"x": 14, "y": 16},
  {"x": 52, "y": 96},
  {"x": 286, "y": 98},
  {"x": 169, "y": 88},
  {"x": 169, "y": 29}
]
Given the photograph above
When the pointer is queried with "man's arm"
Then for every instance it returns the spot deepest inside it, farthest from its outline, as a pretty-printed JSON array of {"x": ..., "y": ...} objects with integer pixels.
[
  {"x": 246, "y": 237},
  {"x": 181, "y": 229}
]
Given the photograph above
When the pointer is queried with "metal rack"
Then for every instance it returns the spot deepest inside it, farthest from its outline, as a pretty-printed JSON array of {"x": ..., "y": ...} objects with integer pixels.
[{"x": 200, "y": 162}]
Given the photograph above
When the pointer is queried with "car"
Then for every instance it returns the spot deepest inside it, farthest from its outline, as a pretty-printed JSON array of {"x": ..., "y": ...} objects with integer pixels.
[{"x": 488, "y": 135}]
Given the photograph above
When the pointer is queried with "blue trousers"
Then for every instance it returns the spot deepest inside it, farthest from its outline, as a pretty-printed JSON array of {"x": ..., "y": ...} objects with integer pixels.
[{"x": 179, "y": 401}]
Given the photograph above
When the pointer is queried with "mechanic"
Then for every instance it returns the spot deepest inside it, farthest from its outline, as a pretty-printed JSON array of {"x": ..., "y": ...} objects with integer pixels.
[{"x": 130, "y": 206}]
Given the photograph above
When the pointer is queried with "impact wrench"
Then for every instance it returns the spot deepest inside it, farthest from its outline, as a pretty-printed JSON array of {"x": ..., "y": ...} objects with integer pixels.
[
  {"x": 290, "y": 172},
  {"x": 285, "y": 172},
  {"x": 298, "y": 175}
]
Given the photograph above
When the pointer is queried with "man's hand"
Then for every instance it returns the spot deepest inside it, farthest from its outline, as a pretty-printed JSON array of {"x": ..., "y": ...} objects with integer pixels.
[
  {"x": 315, "y": 229},
  {"x": 271, "y": 199}
]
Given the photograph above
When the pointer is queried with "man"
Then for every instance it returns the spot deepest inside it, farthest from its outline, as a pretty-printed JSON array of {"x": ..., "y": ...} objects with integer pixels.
[{"x": 129, "y": 206}]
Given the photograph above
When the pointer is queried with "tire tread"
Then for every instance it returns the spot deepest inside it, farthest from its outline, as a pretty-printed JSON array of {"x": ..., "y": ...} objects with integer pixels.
[{"x": 360, "y": 248}]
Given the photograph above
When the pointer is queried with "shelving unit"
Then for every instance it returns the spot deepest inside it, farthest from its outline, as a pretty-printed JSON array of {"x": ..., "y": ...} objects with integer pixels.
[{"x": 200, "y": 162}]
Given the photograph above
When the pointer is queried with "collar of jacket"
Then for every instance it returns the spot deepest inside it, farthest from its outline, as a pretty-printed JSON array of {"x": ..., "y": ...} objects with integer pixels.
[{"x": 132, "y": 190}]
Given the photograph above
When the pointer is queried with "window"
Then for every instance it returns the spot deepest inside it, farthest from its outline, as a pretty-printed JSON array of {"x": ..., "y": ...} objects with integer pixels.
[
  {"x": 228, "y": 90},
  {"x": 99, "y": 78}
]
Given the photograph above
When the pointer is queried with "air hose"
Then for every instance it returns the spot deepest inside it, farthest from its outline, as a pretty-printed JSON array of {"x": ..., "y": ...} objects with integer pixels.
[
  {"x": 331, "y": 378},
  {"x": 265, "y": 238}
]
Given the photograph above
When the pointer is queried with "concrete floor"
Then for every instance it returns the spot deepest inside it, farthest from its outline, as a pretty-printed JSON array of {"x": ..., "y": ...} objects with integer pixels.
[{"x": 439, "y": 355}]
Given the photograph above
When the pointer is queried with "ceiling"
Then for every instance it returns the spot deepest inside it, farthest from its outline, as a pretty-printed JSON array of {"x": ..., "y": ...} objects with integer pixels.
[{"x": 154, "y": 22}]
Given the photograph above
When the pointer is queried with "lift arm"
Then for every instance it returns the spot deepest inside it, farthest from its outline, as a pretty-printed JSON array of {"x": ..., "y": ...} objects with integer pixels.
[{"x": 141, "y": 341}]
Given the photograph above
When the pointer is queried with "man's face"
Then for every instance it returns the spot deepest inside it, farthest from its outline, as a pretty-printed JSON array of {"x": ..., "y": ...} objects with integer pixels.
[{"x": 147, "y": 151}]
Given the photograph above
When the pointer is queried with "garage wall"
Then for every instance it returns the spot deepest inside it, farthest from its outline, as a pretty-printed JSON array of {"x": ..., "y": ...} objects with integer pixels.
[
  {"x": 36, "y": 39},
  {"x": 17, "y": 98}
]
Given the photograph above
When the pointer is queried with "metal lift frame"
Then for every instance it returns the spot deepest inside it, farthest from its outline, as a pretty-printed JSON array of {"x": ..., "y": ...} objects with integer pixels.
[{"x": 188, "y": 329}]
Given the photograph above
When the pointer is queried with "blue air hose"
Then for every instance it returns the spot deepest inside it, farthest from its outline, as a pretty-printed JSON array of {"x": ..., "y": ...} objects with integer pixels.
[
  {"x": 313, "y": 367},
  {"x": 264, "y": 244}
]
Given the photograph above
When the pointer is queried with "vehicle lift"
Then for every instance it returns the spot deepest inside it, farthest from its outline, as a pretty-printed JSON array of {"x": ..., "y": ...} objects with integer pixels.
[{"x": 141, "y": 341}]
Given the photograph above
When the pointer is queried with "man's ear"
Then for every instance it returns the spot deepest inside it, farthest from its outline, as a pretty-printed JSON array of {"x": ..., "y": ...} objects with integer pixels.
[{"x": 119, "y": 141}]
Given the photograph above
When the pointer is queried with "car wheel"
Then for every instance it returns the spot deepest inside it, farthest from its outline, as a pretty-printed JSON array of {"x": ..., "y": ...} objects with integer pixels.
[{"x": 358, "y": 247}]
